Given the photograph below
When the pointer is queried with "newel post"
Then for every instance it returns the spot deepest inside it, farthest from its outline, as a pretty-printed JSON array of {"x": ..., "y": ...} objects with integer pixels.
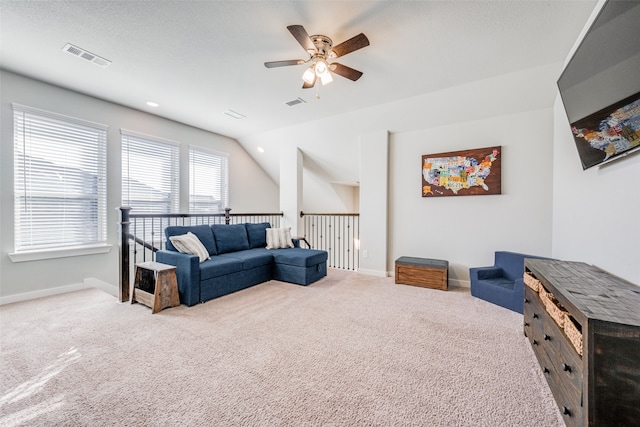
[
  {"x": 227, "y": 216},
  {"x": 123, "y": 288}
]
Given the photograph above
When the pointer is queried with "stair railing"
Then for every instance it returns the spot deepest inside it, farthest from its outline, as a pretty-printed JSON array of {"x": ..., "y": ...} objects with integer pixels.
[
  {"x": 142, "y": 235},
  {"x": 336, "y": 233}
]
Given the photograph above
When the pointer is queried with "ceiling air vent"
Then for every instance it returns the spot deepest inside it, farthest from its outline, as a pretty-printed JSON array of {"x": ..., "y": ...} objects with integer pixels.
[
  {"x": 235, "y": 114},
  {"x": 296, "y": 102},
  {"x": 88, "y": 56}
]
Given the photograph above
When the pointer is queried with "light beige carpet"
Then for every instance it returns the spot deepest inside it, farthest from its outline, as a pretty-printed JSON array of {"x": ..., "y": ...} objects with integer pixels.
[{"x": 350, "y": 350}]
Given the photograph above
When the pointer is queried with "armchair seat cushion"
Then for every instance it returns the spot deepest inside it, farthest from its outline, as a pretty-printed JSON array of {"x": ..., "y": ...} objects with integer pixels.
[{"x": 501, "y": 282}]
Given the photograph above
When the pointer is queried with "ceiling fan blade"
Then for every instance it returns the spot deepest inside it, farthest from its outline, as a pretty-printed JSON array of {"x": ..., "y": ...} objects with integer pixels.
[
  {"x": 353, "y": 44},
  {"x": 345, "y": 71},
  {"x": 302, "y": 37},
  {"x": 310, "y": 85},
  {"x": 274, "y": 64}
]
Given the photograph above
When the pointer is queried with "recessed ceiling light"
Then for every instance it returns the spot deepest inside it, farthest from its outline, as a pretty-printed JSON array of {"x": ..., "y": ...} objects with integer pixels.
[
  {"x": 261, "y": 150},
  {"x": 152, "y": 104}
]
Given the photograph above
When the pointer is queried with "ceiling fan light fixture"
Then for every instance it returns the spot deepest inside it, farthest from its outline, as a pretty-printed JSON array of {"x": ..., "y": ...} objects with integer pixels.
[
  {"x": 321, "y": 68},
  {"x": 309, "y": 75},
  {"x": 326, "y": 78}
]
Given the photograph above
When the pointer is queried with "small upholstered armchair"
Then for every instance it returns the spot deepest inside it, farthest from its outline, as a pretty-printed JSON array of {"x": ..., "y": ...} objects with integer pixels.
[{"x": 501, "y": 284}]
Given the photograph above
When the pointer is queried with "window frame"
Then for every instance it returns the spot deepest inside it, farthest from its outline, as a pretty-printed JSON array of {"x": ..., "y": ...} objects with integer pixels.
[
  {"x": 31, "y": 128},
  {"x": 173, "y": 176},
  {"x": 223, "y": 188}
]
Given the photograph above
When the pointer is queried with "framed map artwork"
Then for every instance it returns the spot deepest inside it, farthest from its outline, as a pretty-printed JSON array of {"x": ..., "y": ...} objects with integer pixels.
[{"x": 462, "y": 173}]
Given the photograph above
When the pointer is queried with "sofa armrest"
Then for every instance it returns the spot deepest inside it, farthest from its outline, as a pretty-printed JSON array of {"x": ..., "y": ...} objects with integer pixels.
[
  {"x": 298, "y": 240},
  {"x": 482, "y": 273},
  {"x": 187, "y": 273}
]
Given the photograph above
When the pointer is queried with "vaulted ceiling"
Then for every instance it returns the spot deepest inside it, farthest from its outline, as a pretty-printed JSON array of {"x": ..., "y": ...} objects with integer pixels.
[{"x": 198, "y": 59}]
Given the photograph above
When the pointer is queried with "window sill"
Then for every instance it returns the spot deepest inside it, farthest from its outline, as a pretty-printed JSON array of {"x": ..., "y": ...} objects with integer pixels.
[{"x": 59, "y": 252}]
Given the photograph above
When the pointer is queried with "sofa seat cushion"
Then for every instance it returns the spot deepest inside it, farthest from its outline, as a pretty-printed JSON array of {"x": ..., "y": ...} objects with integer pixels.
[
  {"x": 230, "y": 238},
  {"x": 251, "y": 258},
  {"x": 219, "y": 266},
  {"x": 202, "y": 232},
  {"x": 298, "y": 257}
]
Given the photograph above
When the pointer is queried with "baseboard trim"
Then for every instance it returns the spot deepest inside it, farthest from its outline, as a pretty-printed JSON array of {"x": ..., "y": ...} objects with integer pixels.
[
  {"x": 86, "y": 284},
  {"x": 376, "y": 273},
  {"x": 459, "y": 283}
]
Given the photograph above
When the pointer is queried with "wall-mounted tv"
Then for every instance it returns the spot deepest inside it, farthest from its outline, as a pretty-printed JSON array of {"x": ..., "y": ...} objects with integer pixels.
[{"x": 600, "y": 86}]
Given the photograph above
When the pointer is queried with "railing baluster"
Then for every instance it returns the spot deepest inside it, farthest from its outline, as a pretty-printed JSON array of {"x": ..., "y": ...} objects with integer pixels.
[{"x": 338, "y": 234}]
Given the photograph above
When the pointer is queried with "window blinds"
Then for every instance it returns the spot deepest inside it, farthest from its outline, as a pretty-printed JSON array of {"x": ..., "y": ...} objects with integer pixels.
[
  {"x": 208, "y": 181},
  {"x": 59, "y": 180},
  {"x": 150, "y": 168}
]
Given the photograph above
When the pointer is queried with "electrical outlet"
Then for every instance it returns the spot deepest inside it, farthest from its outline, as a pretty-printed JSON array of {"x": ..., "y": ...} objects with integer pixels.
[{"x": 365, "y": 253}]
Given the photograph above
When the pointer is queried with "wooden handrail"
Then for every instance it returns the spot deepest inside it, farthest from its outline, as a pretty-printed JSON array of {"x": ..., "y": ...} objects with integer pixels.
[{"x": 302, "y": 214}]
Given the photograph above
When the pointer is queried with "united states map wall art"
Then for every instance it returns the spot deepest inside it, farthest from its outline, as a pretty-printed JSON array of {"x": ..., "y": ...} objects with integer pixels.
[{"x": 462, "y": 173}]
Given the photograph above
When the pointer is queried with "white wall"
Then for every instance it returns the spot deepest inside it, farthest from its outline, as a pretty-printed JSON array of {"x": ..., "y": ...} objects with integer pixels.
[
  {"x": 374, "y": 202},
  {"x": 250, "y": 188},
  {"x": 466, "y": 230},
  {"x": 595, "y": 212}
]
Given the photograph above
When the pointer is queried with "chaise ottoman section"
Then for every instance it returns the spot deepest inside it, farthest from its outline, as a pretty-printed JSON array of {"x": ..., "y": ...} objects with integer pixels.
[{"x": 299, "y": 266}]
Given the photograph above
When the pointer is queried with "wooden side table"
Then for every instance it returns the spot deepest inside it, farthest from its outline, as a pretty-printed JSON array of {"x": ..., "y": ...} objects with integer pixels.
[{"x": 155, "y": 285}]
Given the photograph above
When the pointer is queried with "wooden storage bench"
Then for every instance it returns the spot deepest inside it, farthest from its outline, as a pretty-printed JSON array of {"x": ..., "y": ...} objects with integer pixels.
[{"x": 424, "y": 272}]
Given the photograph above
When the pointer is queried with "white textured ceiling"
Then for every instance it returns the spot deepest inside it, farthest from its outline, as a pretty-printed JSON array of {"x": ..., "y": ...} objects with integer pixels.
[{"x": 200, "y": 58}]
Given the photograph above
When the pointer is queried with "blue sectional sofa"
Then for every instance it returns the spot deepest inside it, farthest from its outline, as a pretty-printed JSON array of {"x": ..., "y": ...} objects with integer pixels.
[
  {"x": 238, "y": 259},
  {"x": 501, "y": 284}
]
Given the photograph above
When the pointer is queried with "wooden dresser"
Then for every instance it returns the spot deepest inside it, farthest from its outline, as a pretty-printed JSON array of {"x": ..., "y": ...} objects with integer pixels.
[{"x": 584, "y": 327}]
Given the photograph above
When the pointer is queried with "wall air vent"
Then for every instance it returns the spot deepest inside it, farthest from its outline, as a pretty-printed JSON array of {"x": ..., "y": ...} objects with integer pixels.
[
  {"x": 296, "y": 102},
  {"x": 88, "y": 56}
]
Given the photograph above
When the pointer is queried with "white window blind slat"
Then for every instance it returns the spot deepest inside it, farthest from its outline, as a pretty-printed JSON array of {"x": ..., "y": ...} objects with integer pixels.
[
  {"x": 208, "y": 181},
  {"x": 59, "y": 180}
]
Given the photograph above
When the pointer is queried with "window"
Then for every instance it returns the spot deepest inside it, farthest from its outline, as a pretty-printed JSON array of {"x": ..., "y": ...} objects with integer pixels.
[
  {"x": 59, "y": 180},
  {"x": 149, "y": 173},
  {"x": 208, "y": 181}
]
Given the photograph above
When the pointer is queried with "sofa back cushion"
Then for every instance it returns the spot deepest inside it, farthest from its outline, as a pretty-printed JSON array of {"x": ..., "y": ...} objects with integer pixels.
[
  {"x": 257, "y": 234},
  {"x": 203, "y": 232},
  {"x": 230, "y": 238}
]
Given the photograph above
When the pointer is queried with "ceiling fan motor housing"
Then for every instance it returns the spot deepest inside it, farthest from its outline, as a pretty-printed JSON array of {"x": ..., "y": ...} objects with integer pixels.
[{"x": 323, "y": 45}]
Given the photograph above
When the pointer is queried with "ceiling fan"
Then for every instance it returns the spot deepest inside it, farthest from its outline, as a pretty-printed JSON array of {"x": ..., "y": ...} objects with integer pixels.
[{"x": 321, "y": 50}]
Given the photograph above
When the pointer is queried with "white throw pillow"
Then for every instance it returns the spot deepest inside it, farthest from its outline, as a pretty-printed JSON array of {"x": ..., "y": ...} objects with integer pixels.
[
  {"x": 190, "y": 244},
  {"x": 278, "y": 238}
]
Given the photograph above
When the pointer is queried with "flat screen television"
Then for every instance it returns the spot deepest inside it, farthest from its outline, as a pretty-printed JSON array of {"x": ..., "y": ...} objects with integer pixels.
[{"x": 600, "y": 86}]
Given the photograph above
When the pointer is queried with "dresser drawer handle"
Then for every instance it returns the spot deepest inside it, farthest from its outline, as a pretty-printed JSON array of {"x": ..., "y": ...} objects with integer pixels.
[
  {"x": 545, "y": 370},
  {"x": 535, "y": 342},
  {"x": 526, "y": 300},
  {"x": 566, "y": 367},
  {"x": 535, "y": 316},
  {"x": 566, "y": 411},
  {"x": 547, "y": 337},
  {"x": 526, "y": 323}
]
